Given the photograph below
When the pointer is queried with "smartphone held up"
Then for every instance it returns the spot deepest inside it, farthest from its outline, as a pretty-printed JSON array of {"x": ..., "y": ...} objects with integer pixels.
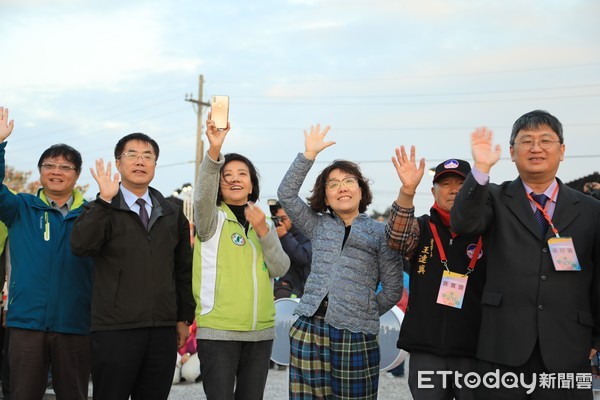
[{"x": 219, "y": 109}]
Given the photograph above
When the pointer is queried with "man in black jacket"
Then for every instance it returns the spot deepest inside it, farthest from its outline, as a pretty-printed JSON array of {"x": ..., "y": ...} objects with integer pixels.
[
  {"x": 447, "y": 272},
  {"x": 142, "y": 300}
]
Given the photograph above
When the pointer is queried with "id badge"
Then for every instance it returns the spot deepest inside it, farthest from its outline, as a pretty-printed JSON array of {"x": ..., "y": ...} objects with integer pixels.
[
  {"x": 563, "y": 254},
  {"x": 452, "y": 289}
]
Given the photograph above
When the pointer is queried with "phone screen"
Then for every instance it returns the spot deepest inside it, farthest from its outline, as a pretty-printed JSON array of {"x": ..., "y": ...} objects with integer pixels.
[{"x": 220, "y": 111}]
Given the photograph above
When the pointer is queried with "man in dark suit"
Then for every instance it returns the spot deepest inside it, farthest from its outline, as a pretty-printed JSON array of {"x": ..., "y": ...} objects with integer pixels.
[{"x": 540, "y": 315}]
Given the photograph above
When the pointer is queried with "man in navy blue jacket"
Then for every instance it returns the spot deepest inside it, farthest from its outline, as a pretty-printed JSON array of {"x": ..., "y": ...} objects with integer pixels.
[{"x": 299, "y": 250}]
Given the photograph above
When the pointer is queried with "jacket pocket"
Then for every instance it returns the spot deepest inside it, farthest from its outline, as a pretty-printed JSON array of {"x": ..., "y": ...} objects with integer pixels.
[
  {"x": 491, "y": 298},
  {"x": 585, "y": 318}
]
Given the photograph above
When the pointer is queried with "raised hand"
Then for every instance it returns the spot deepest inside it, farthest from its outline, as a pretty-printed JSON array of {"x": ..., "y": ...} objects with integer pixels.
[
  {"x": 484, "y": 154},
  {"x": 314, "y": 141},
  {"x": 5, "y": 126},
  {"x": 108, "y": 187},
  {"x": 215, "y": 137},
  {"x": 407, "y": 170}
]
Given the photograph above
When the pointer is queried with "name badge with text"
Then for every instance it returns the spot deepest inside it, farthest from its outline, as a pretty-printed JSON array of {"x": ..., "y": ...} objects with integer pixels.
[
  {"x": 452, "y": 289},
  {"x": 563, "y": 254}
]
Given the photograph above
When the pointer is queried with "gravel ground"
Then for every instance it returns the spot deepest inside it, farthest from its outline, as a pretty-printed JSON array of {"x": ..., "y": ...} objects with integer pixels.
[{"x": 390, "y": 387}]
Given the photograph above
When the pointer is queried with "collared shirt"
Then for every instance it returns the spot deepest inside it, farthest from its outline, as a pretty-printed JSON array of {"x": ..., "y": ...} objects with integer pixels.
[
  {"x": 64, "y": 209},
  {"x": 483, "y": 179},
  {"x": 130, "y": 200},
  {"x": 549, "y": 192}
]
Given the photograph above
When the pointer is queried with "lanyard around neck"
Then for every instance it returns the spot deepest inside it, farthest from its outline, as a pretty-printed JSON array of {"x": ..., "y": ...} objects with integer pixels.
[
  {"x": 544, "y": 210},
  {"x": 442, "y": 252}
]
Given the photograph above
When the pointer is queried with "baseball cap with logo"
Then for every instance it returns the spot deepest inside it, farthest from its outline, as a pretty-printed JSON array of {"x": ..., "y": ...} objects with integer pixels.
[{"x": 452, "y": 166}]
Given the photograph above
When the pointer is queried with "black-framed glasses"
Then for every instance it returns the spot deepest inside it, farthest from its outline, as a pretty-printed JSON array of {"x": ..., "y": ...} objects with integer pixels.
[
  {"x": 61, "y": 167},
  {"x": 348, "y": 182},
  {"x": 134, "y": 155}
]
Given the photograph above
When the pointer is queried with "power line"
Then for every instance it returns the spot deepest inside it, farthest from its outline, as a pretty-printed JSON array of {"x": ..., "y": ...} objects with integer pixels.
[
  {"x": 176, "y": 135},
  {"x": 107, "y": 117},
  {"x": 29, "y": 146},
  {"x": 547, "y": 68},
  {"x": 414, "y": 103},
  {"x": 469, "y": 93},
  {"x": 394, "y": 129}
]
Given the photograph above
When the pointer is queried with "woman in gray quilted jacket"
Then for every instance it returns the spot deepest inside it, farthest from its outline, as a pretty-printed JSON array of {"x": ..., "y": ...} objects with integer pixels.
[{"x": 334, "y": 348}]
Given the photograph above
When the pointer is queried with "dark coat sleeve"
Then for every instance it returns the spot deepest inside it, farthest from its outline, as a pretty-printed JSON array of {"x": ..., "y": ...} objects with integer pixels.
[
  {"x": 186, "y": 304},
  {"x": 473, "y": 209},
  {"x": 91, "y": 229}
]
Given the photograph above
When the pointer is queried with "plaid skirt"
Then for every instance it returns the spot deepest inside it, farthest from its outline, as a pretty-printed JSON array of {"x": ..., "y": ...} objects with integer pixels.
[{"x": 331, "y": 363}]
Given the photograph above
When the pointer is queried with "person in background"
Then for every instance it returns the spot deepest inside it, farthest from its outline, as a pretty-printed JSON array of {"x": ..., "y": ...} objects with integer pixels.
[
  {"x": 333, "y": 343},
  {"x": 593, "y": 189},
  {"x": 236, "y": 255},
  {"x": 441, "y": 325},
  {"x": 143, "y": 303},
  {"x": 541, "y": 300},
  {"x": 297, "y": 247},
  {"x": 50, "y": 286}
]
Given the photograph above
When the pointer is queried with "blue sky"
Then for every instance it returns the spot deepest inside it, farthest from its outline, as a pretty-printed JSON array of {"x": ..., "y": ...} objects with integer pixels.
[{"x": 381, "y": 73}]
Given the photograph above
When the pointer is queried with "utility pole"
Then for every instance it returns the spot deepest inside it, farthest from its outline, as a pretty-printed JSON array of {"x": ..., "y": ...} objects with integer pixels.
[{"x": 199, "y": 143}]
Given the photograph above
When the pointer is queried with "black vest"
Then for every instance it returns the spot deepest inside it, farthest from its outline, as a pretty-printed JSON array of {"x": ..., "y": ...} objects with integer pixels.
[{"x": 434, "y": 328}]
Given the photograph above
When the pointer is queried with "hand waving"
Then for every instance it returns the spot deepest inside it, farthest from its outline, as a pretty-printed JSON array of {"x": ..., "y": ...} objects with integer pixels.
[
  {"x": 484, "y": 155},
  {"x": 108, "y": 187},
  {"x": 314, "y": 141},
  {"x": 407, "y": 170},
  {"x": 5, "y": 126}
]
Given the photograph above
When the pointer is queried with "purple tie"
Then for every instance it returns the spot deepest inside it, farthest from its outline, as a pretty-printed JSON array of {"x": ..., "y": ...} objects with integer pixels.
[
  {"x": 143, "y": 213},
  {"x": 541, "y": 199}
]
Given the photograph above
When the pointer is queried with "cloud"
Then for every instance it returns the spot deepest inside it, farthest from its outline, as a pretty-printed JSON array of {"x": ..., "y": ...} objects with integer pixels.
[{"x": 104, "y": 48}]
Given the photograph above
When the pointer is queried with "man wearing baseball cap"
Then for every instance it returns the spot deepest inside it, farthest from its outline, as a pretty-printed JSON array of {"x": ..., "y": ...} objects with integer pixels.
[{"x": 447, "y": 273}]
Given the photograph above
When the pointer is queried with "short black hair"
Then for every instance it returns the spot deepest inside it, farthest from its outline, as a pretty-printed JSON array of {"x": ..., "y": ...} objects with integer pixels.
[
  {"x": 254, "y": 176},
  {"x": 534, "y": 120},
  {"x": 142, "y": 137},
  {"x": 64, "y": 150}
]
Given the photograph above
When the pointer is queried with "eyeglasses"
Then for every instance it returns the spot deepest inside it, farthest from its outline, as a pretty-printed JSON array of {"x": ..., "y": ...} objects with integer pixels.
[
  {"x": 349, "y": 183},
  {"x": 544, "y": 144},
  {"x": 61, "y": 167},
  {"x": 133, "y": 156}
]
